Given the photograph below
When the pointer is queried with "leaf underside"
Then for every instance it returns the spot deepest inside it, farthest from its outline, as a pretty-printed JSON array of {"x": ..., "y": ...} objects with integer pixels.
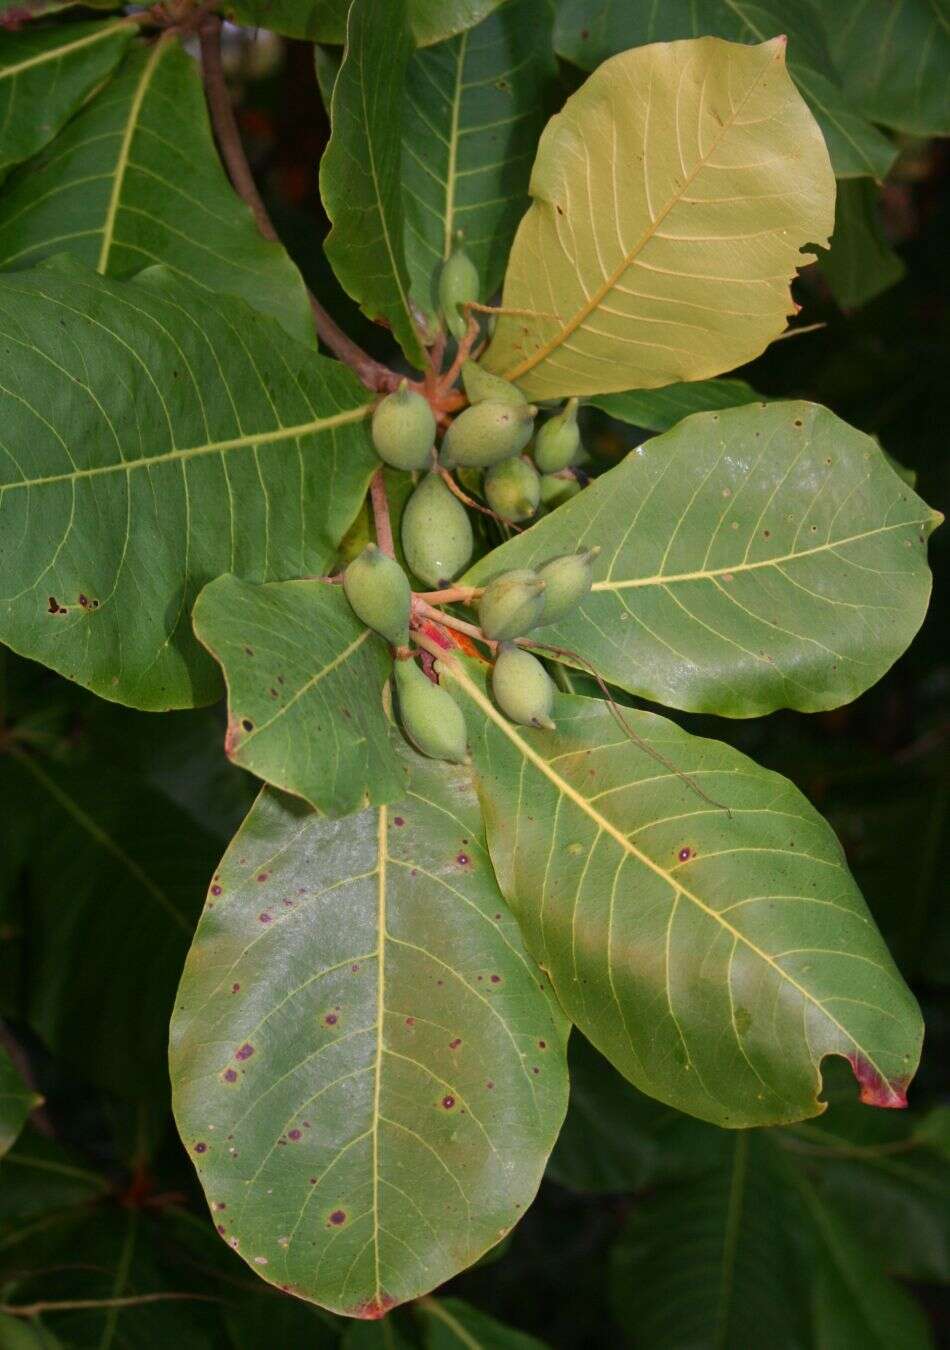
[
  {"x": 368, "y": 1070},
  {"x": 673, "y": 195},
  {"x": 588, "y": 31}
]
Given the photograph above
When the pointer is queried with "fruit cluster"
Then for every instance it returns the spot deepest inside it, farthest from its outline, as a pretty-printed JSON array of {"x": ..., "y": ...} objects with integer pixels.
[
  {"x": 509, "y": 607},
  {"x": 493, "y": 443}
]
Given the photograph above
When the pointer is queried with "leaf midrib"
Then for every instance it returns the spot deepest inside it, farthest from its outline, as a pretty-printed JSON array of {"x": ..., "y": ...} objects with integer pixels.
[
  {"x": 125, "y": 149},
  {"x": 607, "y": 826},
  {"x": 211, "y": 448},
  {"x": 57, "y": 53},
  {"x": 610, "y": 281},
  {"x": 704, "y": 574}
]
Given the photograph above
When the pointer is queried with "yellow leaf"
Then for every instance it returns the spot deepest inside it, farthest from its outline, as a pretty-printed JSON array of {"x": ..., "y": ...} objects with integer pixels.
[{"x": 672, "y": 198}]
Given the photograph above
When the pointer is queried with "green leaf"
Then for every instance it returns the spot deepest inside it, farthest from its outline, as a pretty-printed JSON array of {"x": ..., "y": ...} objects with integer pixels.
[
  {"x": 111, "y": 1251},
  {"x": 16, "y": 1102},
  {"x": 367, "y": 1072},
  {"x": 135, "y": 179},
  {"x": 854, "y": 1303},
  {"x": 861, "y": 263},
  {"x": 893, "y": 60},
  {"x": 451, "y": 1324},
  {"x": 325, "y": 20},
  {"x": 589, "y": 31},
  {"x": 360, "y": 170},
  {"x": 305, "y": 682},
  {"x": 474, "y": 111},
  {"x": 692, "y": 248},
  {"x": 46, "y": 74},
  {"x": 753, "y": 559},
  {"x": 660, "y": 409},
  {"x": 880, "y": 1174},
  {"x": 41, "y": 1177},
  {"x": 714, "y": 948},
  {"x": 101, "y": 969},
  {"x": 156, "y": 437},
  {"x": 714, "y": 1260}
]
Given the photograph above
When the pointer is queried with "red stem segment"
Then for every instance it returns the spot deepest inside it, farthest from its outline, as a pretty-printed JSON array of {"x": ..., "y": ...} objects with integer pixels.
[{"x": 380, "y": 504}]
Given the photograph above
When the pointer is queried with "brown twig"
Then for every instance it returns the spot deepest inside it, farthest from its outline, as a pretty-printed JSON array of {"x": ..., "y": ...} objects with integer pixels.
[
  {"x": 78, "y": 1304},
  {"x": 447, "y": 380},
  {"x": 380, "y": 505},
  {"x": 371, "y": 372},
  {"x": 472, "y": 504}
]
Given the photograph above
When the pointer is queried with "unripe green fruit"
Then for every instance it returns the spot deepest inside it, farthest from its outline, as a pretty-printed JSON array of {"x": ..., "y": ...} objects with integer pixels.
[
  {"x": 523, "y": 689},
  {"x": 488, "y": 432},
  {"x": 555, "y": 491},
  {"x": 511, "y": 604},
  {"x": 404, "y": 429},
  {"x": 458, "y": 283},
  {"x": 430, "y": 716},
  {"x": 379, "y": 594},
  {"x": 568, "y": 580},
  {"x": 481, "y": 385},
  {"x": 513, "y": 489},
  {"x": 558, "y": 440},
  {"x": 436, "y": 533}
]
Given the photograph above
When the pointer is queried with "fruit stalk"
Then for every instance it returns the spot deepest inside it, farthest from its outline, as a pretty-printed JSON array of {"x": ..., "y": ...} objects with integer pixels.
[{"x": 380, "y": 504}]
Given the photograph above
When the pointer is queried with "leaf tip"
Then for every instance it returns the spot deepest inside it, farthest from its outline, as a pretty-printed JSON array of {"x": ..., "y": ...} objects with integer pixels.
[
  {"x": 875, "y": 1089},
  {"x": 372, "y": 1309}
]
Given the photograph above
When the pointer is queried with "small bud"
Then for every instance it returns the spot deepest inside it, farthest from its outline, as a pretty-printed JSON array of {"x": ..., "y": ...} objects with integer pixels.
[
  {"x": 558, "y": 440},
  {"x": 523, "y": 689},
  {"x": 556, "y": 491},
  {"x": 430, "y": 716},
  {"x": 568, "y": 581},
  {"x": 511, "y": 604},
  {"x": 488, "y": 432},
  {"x": 513, "y": 489},
  {"x": 379, "y": 594},
  {"x": 436, "y": 533},
  {"x": 481, "y": 386},
  {"x": 458, "y": 283}
]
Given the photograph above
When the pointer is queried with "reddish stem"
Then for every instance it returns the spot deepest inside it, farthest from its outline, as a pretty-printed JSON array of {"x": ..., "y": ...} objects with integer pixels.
[
  {"x": 380, "y": 505},
  {"x": 371, "y": 372}
]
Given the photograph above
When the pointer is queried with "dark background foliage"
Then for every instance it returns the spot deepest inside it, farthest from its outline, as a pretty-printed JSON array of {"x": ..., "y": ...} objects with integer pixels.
[{"x": 107, "y": 840}]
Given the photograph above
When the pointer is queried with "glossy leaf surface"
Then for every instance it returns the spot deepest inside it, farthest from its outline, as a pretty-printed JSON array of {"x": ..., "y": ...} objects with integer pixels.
[
  {"x": 360, "y": 170},
  {"x": 680, "y": 270},
  {"x": 325, "y": 20},
  {"x": 753, "y": 559},
  {"x": 893, "y": 57},
  {"x": 305, "y": 682},
  {"x": 588, "y": 31},
  {"x": 367, "y": 1072},
  {"x": 157, "y": 437},
  {"x": 714, "y": 948},
  {"x": 135, "y": 179},
  {"x": 474, "y": 111},
  {"x": 45, "y": 74},
  {"x": 660, "y": 409},
  {"x": 452, "y": 1324},
  {"x": 861, "y": 263},
  {"x": 132, "y": 866}
]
